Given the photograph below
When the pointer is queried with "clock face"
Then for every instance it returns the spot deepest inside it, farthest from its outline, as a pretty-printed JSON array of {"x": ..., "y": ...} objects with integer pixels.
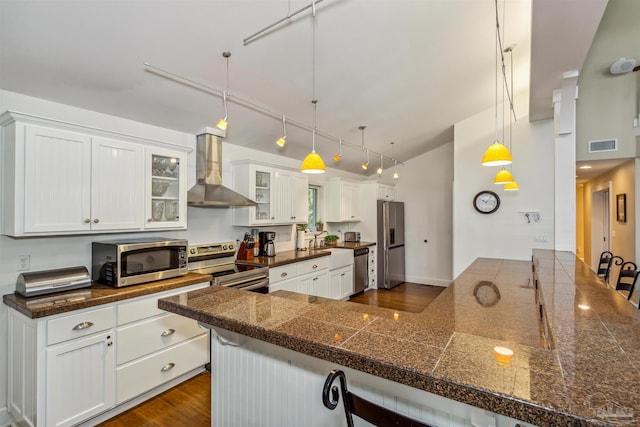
[{"x": 486, "y": 202}]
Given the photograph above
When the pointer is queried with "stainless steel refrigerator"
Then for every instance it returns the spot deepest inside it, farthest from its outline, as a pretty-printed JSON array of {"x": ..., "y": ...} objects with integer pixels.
[{"x": 391, "y": 269}]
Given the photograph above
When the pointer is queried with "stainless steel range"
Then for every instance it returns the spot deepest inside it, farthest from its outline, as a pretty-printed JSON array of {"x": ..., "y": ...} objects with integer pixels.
[{"x": 218, "y": 259}]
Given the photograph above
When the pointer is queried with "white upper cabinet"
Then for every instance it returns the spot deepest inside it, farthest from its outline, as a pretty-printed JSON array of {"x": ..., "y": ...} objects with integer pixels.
[
  {"x": 280, "y": 195},
  {"x": 57, "y": 180},
  {"x": 165, "y": 181},
  {"x": 386, "y": 192},
  {"x": 343, "y": 198}
]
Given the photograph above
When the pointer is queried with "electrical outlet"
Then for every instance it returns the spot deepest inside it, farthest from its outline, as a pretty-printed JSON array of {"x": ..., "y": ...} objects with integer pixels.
[{"x": 24, "y": 262}]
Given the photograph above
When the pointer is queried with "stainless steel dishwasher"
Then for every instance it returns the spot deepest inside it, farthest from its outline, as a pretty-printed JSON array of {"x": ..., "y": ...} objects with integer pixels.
[{"x": 361, "y": 269}]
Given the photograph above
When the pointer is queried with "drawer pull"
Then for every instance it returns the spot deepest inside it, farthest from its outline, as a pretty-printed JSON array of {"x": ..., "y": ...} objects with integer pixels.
[
  {"x": 82, "y": 325},
  {"x": 167, "y": 367},
  {"x": 314, "y": 266},
  {"x": 283, "y": 274},
  {"x": 167, "y": 332}
]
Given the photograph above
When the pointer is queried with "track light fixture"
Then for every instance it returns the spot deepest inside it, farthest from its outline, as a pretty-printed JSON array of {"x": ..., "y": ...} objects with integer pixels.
[
  {"x": 283, "y": 139},
  {"x": 337, "y": 157},
  {"x": 393, "y": 154},
  {"x": 365, "y": 165},
  {"x": 380, "y": 170},
  {"x": 222, "y": 123}
]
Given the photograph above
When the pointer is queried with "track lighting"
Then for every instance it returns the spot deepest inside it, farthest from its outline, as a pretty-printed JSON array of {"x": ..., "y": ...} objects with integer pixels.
[
  {"x": 395, "y": 171},
  {"x": 222, "y": 123},
  {"x": 365, "y": 165},
  {"x": 337, "y": 157},
  {"x": 283, "y": 139},
  {"x": 379, "y": 171}
]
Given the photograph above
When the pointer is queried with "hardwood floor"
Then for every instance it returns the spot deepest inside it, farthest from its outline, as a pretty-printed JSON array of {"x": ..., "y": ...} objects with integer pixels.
[
  {"x": 411, "y": 297},
  {"x": 188, "y": 404}
]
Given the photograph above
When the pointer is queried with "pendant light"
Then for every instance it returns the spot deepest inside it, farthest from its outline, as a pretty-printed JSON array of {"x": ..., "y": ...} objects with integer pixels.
[
  {"x": 503, "y": 177},
  {"x": 380, "y": 170},
  {"x": 222, "y": 123},
  {"x": 512, "y": 186},
  {"x": 395, "y": 172},
  {"x": 283, "y": 139},
  {"x": 313, "y": 163},
  {"x": 497, "y": 154}
]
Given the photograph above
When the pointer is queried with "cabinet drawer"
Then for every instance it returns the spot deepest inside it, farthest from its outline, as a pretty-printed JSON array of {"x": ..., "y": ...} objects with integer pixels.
[
  {"x": 312, "y": 265},
  {"x": 147, "y": 306},
  {"x": 144, "y": 374},
  {"x": 137, "y": 339},
  {"x": 79, "y": 324},
  {"x": 282, "y": 273}
]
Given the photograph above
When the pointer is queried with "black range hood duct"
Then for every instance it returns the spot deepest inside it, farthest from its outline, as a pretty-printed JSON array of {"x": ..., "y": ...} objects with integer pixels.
[{"x": 209, "y": 191}]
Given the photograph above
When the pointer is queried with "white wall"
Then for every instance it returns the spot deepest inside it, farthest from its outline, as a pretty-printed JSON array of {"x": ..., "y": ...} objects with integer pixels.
[
  {"x": 505, "y": 233},
  {"x": 425, "y": 185}
]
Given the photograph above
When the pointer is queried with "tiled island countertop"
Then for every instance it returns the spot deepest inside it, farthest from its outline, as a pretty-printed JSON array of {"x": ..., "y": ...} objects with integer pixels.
[{"x": 578, "y": 365}]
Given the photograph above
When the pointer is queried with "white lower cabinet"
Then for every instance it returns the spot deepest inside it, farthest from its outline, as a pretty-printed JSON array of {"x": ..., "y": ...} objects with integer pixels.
[
  {"x": 67, "y": 368},
  {"x": 79, "y": 379},
  {"x": 341, "y": 282},
  {"x": 309, "y": 277}
]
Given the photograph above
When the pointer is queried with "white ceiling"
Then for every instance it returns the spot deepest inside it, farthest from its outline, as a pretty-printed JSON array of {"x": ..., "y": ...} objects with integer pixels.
[{"x": 408, "y": 69}]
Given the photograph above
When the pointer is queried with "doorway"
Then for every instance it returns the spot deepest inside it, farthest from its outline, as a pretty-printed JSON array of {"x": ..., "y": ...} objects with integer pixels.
[{"x": 600, "y": 222}]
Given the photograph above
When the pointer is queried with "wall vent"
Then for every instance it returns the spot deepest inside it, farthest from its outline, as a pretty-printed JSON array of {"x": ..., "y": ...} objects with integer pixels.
[{"x": 603, "y": 145}]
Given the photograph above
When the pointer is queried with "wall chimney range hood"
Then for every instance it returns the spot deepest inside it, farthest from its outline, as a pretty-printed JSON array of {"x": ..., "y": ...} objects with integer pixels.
[{"x": 209, "y": 191}]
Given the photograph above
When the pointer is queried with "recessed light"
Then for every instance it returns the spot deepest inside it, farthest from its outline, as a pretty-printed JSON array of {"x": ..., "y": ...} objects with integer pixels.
[{"x": 585, "y": 167}]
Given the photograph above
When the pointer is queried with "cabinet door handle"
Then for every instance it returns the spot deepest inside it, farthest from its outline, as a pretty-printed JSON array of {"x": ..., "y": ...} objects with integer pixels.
[
  {"x": 167, "y": 332},
  {"x": 96, "y": 220},
  {"x": 150, "y": 220},
  {"x": 87, "y": 221},
  {"x": 283, "y": 274},
  {"x": 315, "y": 278},
  {"x": 110, "y": 343},
  {"x": 82, "y": 325},
  {"x": 167, "y": 367},
  {"x": 314, "y": 266}
]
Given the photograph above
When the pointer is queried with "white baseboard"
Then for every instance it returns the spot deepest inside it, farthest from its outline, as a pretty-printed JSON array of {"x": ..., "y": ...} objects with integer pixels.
[
  {"x": 428, "y": 281},
  {"x": 5, "y": 417}
]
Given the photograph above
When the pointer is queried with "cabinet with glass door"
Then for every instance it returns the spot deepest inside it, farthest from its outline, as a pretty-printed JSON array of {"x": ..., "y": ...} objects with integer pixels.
[{"x": 166, "y": 189}]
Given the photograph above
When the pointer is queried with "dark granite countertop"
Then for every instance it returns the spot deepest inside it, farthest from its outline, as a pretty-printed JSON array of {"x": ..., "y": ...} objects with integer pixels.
[
  {"x": 96, "y": 294},
  {"x": 589, "y": 365},
  {"x": 354, "y": 245},
  {"x": 286, "y": 257}
]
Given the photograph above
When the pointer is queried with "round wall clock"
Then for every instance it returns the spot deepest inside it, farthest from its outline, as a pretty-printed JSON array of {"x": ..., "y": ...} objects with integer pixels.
[{"x": 486, "y": 202}]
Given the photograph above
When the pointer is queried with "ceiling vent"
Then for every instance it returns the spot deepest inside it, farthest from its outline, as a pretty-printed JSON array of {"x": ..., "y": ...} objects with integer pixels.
[{"x": 603, "y": 145}]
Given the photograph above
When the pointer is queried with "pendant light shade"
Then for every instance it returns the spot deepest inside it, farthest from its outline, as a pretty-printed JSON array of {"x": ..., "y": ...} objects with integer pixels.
[
  {"x": 513, "y": 186},
  {"x": 503, "y": 177},
  {"x": 496, "y": 155},
  {"x": 313, "y": 164}
]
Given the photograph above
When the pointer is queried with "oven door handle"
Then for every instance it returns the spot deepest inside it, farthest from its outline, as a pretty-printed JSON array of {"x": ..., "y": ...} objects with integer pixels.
[
  {"x": 253, "y": 286},
  {"x": 241, "y": 281}
]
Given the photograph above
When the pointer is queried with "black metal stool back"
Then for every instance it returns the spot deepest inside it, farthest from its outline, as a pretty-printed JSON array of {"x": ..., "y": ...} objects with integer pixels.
[
  {"x": 354, "y": 404},
  {"x": 627, "y": 278}
]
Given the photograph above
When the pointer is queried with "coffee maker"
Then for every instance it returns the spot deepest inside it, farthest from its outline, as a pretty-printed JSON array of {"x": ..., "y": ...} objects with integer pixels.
[{"x": 267, "y": 245}]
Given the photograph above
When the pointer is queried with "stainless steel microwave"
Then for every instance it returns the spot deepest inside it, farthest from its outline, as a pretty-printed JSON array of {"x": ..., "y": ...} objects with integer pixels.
[{"x": 130, "y": 262}]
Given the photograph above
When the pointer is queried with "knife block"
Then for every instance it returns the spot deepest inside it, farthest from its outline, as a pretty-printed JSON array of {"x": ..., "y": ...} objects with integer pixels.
[{"x": 244, "y": 253}]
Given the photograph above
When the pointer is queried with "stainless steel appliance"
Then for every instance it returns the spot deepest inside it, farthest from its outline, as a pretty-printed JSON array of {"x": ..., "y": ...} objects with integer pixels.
[
  {"x": 391, "y": 269},
  {"x": 209, "y": 191},
  {"x": 218, "y": 259},
  {"x": 49, "y": 281},
  {"x": 352, "y": 236},
  {"x": 360, "y": 269},
  {"x": 267, "y": 245},
  {"x": 129, "y": 262}
]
